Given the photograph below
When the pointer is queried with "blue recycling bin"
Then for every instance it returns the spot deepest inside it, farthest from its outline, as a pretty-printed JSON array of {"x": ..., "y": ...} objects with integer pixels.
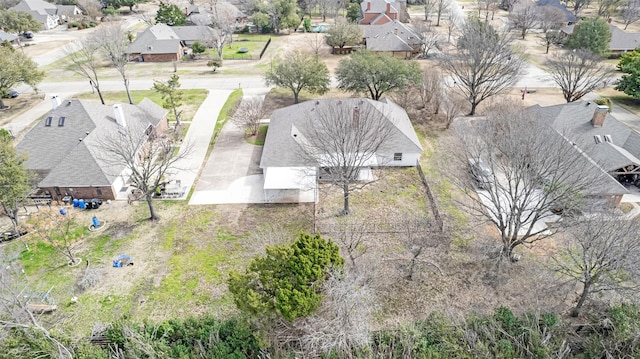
[
  {"x": 96, "y": 223},
  {"x": 76, "y": 203},
  {"x": 81, "y": 204}
]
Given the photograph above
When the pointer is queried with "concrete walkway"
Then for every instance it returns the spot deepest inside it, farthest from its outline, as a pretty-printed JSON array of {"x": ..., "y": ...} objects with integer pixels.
[{"x": 196, "y": 142}]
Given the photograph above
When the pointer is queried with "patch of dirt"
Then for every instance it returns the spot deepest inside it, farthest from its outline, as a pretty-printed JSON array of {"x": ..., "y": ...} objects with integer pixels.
[{"x": 18, "y": 105}]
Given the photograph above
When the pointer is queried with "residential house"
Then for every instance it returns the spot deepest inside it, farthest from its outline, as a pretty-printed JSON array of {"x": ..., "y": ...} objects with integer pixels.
[
  {"x": 201, "y": 16},
  {"x": 378, "y": 12},
  {"x": 608, "y": 145},
  {"x": 68, "y": 12},
  {"x": 621, "y": 41},
  {"x": 64, "y": 148},
  {"x": 570, "y": 18},
  {"x": 288, "y": 173},
  {"x": 44, "y": 12},
  {"x": 393, "y": 37},
  {"x": 161, "y": 43}
]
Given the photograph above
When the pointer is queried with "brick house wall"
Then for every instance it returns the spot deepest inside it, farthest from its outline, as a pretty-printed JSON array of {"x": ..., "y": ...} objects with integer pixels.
[
  {"x": 160, "y": 57},
  {"x": 102, "y": 192}
]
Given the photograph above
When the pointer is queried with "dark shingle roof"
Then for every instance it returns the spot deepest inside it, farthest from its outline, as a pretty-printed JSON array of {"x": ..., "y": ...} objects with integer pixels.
[
  {"x": 282, "y": 150},
  {"x": 71, "y": 155}
]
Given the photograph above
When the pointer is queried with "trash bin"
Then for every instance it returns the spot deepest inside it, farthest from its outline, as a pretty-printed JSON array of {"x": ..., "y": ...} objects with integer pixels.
[
  {"x": 76, "y": 203},
  {"x": 82, "y": 204}
]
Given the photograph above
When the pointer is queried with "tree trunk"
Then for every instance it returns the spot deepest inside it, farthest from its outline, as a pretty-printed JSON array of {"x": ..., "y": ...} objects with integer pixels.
[
  {"x": 295, "y": 96},
  {"x": 126, "y": 86},
  {"x": 625, "y": 26},
  {"x": 583, "y": 296},
  {"x": 548, "y": 45},
  {"x": 439, "y": 15},
  {"x": 152, "y": 211},
  {"x": 524, "y": 33},
  {"x": 99, "y": 93},
  {"x": 2, "y": 106},
  {"x": 345, "y": 197},
  {"x": 473, "y": 108}
]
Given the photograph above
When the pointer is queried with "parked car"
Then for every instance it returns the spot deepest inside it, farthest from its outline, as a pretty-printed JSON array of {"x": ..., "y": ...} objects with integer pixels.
[
  {"x": 481, "y": 173},
  {"x": 27, "y": 35},
  {"x": 11, "y": 94}
]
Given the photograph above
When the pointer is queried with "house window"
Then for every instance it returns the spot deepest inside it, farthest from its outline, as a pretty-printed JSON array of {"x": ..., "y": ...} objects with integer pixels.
[
  {"x": 61, "y": 121},
  {"x": 98, "y": 191},
  {"x": 47, "y": 122},
  {"x": 397, "y": 156}
]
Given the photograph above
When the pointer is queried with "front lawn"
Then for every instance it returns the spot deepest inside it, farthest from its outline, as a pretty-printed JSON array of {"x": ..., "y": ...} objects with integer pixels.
[{"x": 253, "y": 43}]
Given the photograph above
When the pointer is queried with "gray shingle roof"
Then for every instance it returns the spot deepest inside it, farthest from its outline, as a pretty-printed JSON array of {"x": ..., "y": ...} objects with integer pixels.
[
  {"x": 387, "y": 42},
  {"x": 569, "y": 16},
  {"x": 7, "y": 36},
  {"x": 192, "y": 33},
  {"x": 282, "y": 150},
  {"x": 39, "y": 6},
  {"x": 402, "y": 31},
  {"x": 573, "y": 121},
  {"x": 157, "y": 39},
  {"x": 70, "y": 155},
  {"x": 623, "y": 41}
]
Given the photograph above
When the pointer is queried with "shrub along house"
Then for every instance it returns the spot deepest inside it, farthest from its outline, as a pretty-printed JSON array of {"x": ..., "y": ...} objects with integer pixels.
[
  {"x": 64, "y": 148},
  {"x": 290, "y": 175}
]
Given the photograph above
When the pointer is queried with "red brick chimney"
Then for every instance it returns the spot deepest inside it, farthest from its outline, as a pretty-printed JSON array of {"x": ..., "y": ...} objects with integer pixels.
[
  {"x": 368, "y": 5},
  {"x": 599, "y": 115},
  {"x": 388, "y": 9}
]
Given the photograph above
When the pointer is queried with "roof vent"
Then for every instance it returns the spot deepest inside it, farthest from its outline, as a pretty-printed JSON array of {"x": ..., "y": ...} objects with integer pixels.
[{"x": 597, "y": 138}]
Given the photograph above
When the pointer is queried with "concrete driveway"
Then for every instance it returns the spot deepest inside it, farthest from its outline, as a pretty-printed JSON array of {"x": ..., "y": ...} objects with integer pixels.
[{"x": 232, "y": 173}]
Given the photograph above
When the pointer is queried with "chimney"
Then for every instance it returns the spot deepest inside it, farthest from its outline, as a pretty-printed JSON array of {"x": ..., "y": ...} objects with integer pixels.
[
  {"x": 368, "y": 5},
  {"x": 599, "y": 115},
  {"x": 388, "y": 9},
  {"x": 55, "y": 101},
  {"x": 356, "y": 117},
  {"x": 117, "y": 110}
]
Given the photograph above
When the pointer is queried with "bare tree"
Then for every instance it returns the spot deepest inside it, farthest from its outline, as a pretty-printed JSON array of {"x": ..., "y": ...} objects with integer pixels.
[
  {"x": 607, "y": 7},
  {"x": 343, "y": 137},
  {"x": 430, "y": 38},
  {"x": 602, "y": 255},
  {"x": 86, "y": 62},
  {"x": 549, "y": 38},
  {"x": 56, "y": 227},
  {"x": 484, "y": 64},
  {"x": 429, "y": 6},
  {"x": 452, "y": 24},
  {"x": 148, "y": 159},
  {"x": 452, "y": 106},
  {"x": 430, "y": 89},
  {"x": 441, "y": 6},
  {"x": 524, "y": 17},
  {"x": 577, "y": 72},
  {"x": 342, "y": 322},
  {"x": 550, "y": 18},
  {"x": 350, "y": 234},
  {"x": 530, "y": 171},
  {"x": 316, "y": 42},
  {"x": 489, "y": 7},
  {"x": 223, "y": 19},
  {"x": 249, "y": 114},
  {"x": 15, "y": 314},
  {"x": 417, "y": 238},
  {"x": 91, "y": 8},
  {"x": 111, "y": 38},
  {"x": 630, "y": 12},
  {"x": 578, "y": 5},
  {"x": 148, "y": 18},
  {"x": 326, "y": 7}
]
